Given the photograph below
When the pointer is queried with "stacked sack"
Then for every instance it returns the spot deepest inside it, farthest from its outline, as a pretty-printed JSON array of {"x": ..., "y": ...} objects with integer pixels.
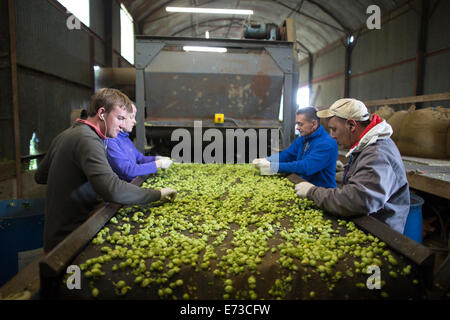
[
  {"x": 423, "y": 133},
  {"x": 385, "y": 112},
  {"x": 396, "y": 122},
  {"x": 448, "y": 143}
]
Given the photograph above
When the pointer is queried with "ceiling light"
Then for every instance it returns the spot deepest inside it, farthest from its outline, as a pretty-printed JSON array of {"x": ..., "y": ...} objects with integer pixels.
[
  {"x": 205, "y": 49},
  {"x": 209, "y": 10}
]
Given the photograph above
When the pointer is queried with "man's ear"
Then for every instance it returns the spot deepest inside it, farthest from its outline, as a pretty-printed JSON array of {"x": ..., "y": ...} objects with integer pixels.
[
  {"x": 101, "y": 112},
  {"x": 351, "y": 124}
]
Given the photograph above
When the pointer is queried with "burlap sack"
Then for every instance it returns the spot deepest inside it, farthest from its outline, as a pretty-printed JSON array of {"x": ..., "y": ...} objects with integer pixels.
[
  {"x": 424, "y": 133},
  {"x": 396, "y": 122},
  {"x": 385, "y": 112}
]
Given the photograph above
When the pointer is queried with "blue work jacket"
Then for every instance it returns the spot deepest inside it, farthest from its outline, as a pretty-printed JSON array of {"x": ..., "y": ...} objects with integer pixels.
[{"x": 311, "y": 157}]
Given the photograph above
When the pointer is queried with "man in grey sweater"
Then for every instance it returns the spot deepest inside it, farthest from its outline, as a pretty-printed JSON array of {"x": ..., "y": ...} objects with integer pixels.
[
  {"x": 375, "y": 179},
  {"x": 77, "y": 171}
]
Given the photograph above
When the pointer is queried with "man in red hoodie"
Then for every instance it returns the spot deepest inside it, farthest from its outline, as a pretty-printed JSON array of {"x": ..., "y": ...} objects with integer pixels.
[{"x": 375, "y": 179}]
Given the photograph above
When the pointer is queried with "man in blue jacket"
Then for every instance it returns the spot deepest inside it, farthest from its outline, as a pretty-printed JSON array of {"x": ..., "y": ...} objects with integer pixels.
[
  {"x": 312, "y": 156},
  {"x": 128, "y": 162}
]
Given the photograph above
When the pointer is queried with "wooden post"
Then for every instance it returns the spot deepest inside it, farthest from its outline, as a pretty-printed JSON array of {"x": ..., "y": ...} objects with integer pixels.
[
  {"x": 348, "y": 60},
  {"x": 109, "y": 48},
  {"x": 15, "y": 96},
  {"x": 291, "y": 34}
]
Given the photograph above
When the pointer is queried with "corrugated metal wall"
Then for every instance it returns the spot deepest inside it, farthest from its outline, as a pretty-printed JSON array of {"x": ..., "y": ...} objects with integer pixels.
[
  {"x": 437, "y": 66},
  {"x": 383, "y": 63},
  {"x": 55, "y": 74}
]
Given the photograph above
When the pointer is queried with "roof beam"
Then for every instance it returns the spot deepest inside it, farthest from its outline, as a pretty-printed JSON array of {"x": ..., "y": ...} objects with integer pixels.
[
  {"x": 237, "y": 6},
  {"x": 330, "y": 14},
  {"x": 310, "y": 17},
  {"x": 206, "y": 22},
  {"x": 144, "y": 23}
]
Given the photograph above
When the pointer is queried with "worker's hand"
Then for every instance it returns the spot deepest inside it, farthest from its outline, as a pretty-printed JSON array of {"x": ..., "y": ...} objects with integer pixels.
[
  {"x": 302, "y": 188},
  {"x": 339, "y": 166},
  {"x": 260, "y": 162},
  {"x": 164, "y": 163},
  {"x": 265, "y": 169},
  {"x": 168, "y": 194}
]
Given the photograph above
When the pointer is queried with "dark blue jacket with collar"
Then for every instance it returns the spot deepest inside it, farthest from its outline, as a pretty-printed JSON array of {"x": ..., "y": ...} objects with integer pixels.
[{"x": 316, "y": 164}]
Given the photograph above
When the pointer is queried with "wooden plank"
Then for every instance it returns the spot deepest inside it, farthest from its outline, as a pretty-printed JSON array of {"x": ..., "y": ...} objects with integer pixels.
[
  {"x": 416, "y": 252},
  {"x": 291, "y": 34},
  {"x": 420, "y": 182},
  {"x": 430, "y": 185},
  {"x": 58, "y": 258},
  {"x": 26, "y": 281},
  {"x": 420, "y": 255},
  {"x": 411, "y": 249},
  {"x": 408, "y": 100},
  {"x": 427, "y": 161}
]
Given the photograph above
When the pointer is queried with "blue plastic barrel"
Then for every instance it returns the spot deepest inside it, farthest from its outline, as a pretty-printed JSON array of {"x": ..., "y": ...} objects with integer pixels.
[
  {"x": 413, "y": 227},
  {"x": 21, "y": 231}
]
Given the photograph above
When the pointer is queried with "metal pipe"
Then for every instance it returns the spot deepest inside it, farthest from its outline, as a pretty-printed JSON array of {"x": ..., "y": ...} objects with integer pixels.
[
  {"x": 310, "y": 73},
  {"x": 348, "y": 62}
]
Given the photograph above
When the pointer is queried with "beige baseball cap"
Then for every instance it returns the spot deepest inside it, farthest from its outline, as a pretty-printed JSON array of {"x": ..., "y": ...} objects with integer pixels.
[{"x": 346, "y": 109}]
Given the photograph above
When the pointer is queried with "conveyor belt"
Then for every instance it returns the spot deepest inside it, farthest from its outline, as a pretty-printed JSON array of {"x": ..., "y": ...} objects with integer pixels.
[{"x": 203, "y": 284}]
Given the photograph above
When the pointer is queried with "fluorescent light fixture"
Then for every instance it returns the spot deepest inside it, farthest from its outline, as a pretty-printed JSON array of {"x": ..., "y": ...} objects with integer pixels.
[
  {"x": 209, "y": 10},
  {"x": 205, "y": 49}
]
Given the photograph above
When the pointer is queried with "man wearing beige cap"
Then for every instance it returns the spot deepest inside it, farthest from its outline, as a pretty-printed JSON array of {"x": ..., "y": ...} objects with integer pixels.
[{"x": 374, "y": 180}]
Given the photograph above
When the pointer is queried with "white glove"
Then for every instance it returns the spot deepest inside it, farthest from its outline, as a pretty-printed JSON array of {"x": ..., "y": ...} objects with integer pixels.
[
  {"x": 302, "y": 188},
  {"x": 339, "y": 166},
  {"x": 168, "y": 193},
  {"x": 265, "y": 170},
  {"x": 260, "y": 162},
  {"x": 164, "y": 163},
  {"x": 161, "y": 157}
]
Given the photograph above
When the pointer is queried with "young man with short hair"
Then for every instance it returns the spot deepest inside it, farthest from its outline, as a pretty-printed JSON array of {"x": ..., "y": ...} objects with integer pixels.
[{"x": 76, "y": 170}]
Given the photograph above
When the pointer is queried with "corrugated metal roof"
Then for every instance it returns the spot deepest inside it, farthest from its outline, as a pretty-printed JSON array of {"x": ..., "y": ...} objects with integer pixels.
[{"x": 318, "y": 22}]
